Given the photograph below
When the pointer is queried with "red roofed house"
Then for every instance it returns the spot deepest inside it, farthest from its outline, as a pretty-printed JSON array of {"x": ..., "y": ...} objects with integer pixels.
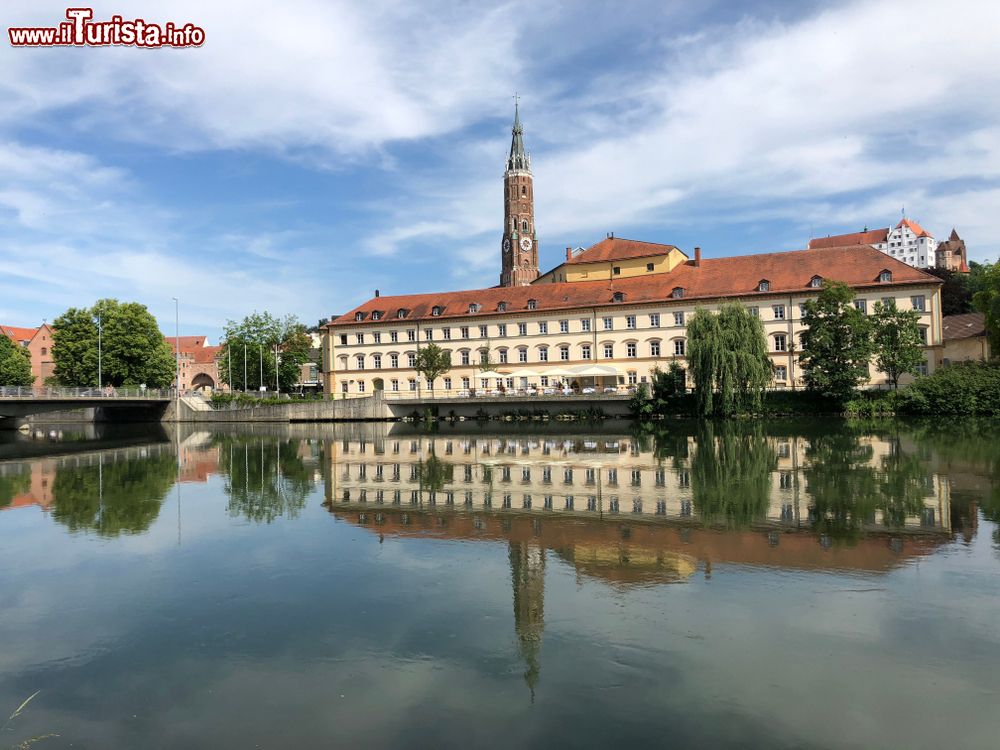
[
  {"x": 965, "y": 338},
  {"x": 908, "y": 242},
  {"x": 607, "y": 316},
  {"x": 951, "y": 254},
  {"x": 38, "y": 341}
]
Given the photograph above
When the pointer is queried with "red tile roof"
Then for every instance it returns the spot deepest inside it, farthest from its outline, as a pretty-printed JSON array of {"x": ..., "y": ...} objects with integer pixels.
[
  {"x": 195, "y": 348},
  {"x": 914, "y": 227},
  {"x": 869, "y": 237},
  {"x": 15, "y": 333},
  {"x": 616, "y": 248},
  {"x": 787, "y": 272},
  {"x": 965, "y": 326}
]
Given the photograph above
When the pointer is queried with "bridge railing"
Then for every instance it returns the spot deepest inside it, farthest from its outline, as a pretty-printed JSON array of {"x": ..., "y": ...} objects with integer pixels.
[{"x": 60, "y": 394}]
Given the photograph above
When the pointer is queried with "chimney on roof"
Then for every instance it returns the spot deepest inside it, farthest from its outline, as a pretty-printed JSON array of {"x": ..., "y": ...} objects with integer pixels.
[
  {"x": 376, "y": 292},
  {"x": 569, "y": 253},
  {"x": 697, "y": 257}
]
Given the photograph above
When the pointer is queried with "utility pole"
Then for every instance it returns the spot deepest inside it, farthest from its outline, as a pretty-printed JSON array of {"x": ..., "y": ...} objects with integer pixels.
[
  {"x": 260, "y": 352},
  {"x": 245, "y": 381},
  {"x": 277, "y": 386},
  {"x": 229, "y": 359}
]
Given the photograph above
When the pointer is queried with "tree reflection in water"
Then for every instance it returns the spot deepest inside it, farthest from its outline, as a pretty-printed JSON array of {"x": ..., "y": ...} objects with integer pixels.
[
  {"x": 121, "y": 496},
  {"x": 265, "y": 478},
  {"x": 731, "y": 473},
  {"x": 847, "y": 489},
  {"x": 13, "y": 482}
]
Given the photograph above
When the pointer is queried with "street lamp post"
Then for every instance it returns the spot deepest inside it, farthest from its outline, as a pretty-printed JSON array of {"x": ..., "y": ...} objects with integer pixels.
[
  {"x": 177, "y": 348},
  {"x": 100, "y": 379},
  {"x": 246, "y": 383},
  {"x": 277, "y": 386},
  {"x": 260, "y": 353}
]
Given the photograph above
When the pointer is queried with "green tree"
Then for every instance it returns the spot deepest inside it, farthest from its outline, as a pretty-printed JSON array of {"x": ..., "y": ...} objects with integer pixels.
[
  {"x": 15, "y": 363},
  {"x": 837, "y": 343},
  {"x": 896, "y": 337},
  {"x": 265, "y": 479},
  {"x": 433, "y": 362},
  {"x": 727, "y": 354},
  {"x": 731, "y": 473},
  {"x": 133, "y": 350},
  {"x": 987, "y": 301},
  {"x": 252, "y": 345}
]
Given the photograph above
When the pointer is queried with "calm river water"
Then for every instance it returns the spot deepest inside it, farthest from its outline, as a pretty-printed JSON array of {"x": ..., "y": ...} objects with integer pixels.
[{"x": 806, "y": 584}]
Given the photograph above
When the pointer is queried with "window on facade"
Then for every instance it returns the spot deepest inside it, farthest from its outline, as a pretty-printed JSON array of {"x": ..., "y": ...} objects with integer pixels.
[
  {"x": 616, "y": 270},
  {"x": 394, "y": 360},
  {"x": 781, "y": 372},
  {"x": 563, "y": 326},
  {"x": 885, "y": 276},
  {"x": 465, "y": 383},
  {"x": 501, "y": 307},
  {"x": 755, "y": 311},
  {"x": 359, "y": 316},
  {"x": 861, "y": 305},
  {"x": 377, "y": 337},
  {"x": 343, "y": 386},
  {"x": 780, "y": 343},
  {"x": 411, "y": 335},
  {"x": 922, "y": 368},
  {"x": 428, "y": 334},
  {"x": 502, "y": 329},
  {"x": 483, "y": 332},
  {"x": 779, "y": 312},
  {"x": 764, "y": 286},
  {"x": 361, "y": 338},
  {"x": 522, "y": 329},
  {"x": 436, "y": 310},
  {"x": 609, "y": 351},
  {"x": 649, "y": 266},
  {"x": 524, "y": 226},
  {"x": 361, "y": 386},
  {"x": 679, "y": 347},
  {"x": 447, "y": 384},
  {"x": 401, "y": 313},
  {"x": 585, "y": 351},
  {"x": 917, "y": 302},
  {"x": 343, "y": 339},
  {"x": 376, "y": 315},
  {"x": 394, "y": 336},
  {"x": 630, "y": 349},
  {"x": 543, "y": 327},
  {"x": 484, "y": 355},
  {"x": 464, "y": 331},
  {"x": 446, "y": 334},
  {"x": 618, "y": 297},
  {"x": 654, "y": 348},
  {"x": 464, "y": 356},
  {"x": 564, "y": 353},
  {"x": 585, "y": 324},
  {"x": 923, "y": 335},
  {"x": 411, "y": 359},
  {"x": 889, "y": 302},
  {"x": 630, "y": 321},
  {"x": 473, "y": 307},
  {"x": 502, "y": 356},
  {"x": 632, "y": 378},
  {"x": 677, "y": 292},
  {"x": 522, "y": 355},
  {"x": 654, "y": 320},
  {"x": 532, "y": 304},
  {"x": 361, "y": 361},
  {"x": 412, "y": 384},
  {"x": 678, "y": 318},
  {"x": 543, "y": 354},
  {"x": 609, "y": 323},
  {"x": 394, "y": 385},
  {"x": 377, "y": 361}
]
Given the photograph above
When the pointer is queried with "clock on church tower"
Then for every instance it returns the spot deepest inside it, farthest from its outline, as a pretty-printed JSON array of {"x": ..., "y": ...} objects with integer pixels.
[{"x": 519, "y": 246}]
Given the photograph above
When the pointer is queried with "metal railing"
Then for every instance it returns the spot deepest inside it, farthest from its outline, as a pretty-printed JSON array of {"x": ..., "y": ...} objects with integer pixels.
[
  {"x": 523, "y": 393},
  {"x": 62, "y": 394}
]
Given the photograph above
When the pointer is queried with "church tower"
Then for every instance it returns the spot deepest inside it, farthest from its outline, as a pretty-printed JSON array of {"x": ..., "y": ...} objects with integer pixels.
[{"x": 519, "y": 246}]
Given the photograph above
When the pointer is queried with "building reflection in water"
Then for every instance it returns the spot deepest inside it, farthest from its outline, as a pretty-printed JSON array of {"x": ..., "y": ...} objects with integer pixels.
[{"x": 620, "y": 509}]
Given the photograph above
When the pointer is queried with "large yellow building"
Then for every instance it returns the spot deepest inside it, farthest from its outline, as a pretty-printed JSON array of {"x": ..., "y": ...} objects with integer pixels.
[{"x": 607, "y": 316}]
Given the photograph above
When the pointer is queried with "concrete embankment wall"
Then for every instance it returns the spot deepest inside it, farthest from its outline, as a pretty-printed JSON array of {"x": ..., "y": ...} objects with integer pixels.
[
  {"x": 354, "y": 409},
  {"x": 609, "y": 406}
]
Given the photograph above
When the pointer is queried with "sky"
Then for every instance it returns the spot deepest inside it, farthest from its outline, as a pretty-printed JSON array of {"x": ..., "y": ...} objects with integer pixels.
[{"x": 310, "y": 152}]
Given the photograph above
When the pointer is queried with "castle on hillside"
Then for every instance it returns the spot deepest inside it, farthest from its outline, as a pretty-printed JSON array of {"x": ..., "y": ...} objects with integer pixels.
[{"x": 908, "y": 242}]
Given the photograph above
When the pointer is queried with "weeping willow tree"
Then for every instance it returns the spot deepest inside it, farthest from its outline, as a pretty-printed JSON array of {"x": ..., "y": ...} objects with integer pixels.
[
  {"x": 727, "y": 356},
  {"x": 731, "y": 473}
]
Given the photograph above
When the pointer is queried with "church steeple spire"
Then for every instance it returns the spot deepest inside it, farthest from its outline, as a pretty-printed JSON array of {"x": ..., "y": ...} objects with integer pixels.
[
  {"x": 519, "y": 244},
  {"x": 519, "y": 158}
]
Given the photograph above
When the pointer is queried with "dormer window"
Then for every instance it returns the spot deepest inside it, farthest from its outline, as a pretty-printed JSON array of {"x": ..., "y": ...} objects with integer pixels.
[
  {"x": 376, "y": 315},
  {"x": 501, "y": 307},
  {"x": 532, "y": 304},
  {"x": 677, "y": 292},
  {"x": 816, "y": 282},
  {"x": 436, "y": 310},
  {"x": 473, "y": 307},
  {"x": 359, "y": 316},
  {"x": 401, "y": 313},
  {"x": 618, "y": 297},
  {"x": 885, "y": 276},
  {"x": 764, "y": 285}
]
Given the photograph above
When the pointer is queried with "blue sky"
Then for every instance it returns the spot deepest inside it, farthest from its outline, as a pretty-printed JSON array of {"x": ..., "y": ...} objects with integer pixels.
[{"x": 313, "y": 151}]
